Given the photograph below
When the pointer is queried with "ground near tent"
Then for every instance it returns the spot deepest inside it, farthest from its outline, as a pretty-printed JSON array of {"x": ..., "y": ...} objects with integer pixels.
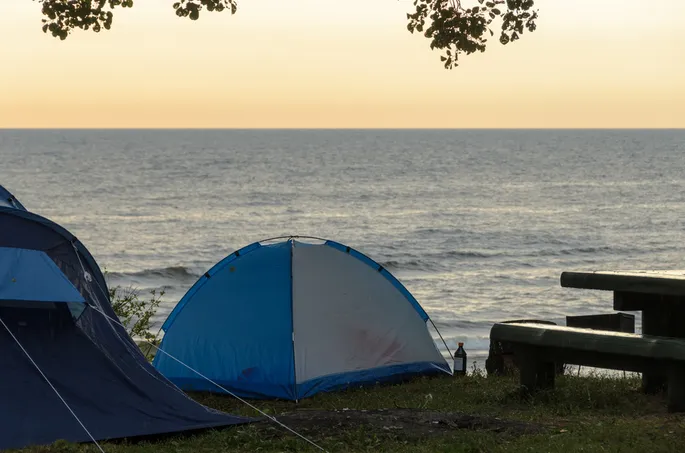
[{"x": 471, "y": 414}]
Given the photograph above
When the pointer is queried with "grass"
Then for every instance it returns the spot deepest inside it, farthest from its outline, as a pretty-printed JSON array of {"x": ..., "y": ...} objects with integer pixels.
[{"x": 588, "y": 413}]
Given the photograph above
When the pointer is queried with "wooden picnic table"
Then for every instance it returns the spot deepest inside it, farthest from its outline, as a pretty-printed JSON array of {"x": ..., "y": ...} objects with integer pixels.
[{"x": 659, "y": 295}]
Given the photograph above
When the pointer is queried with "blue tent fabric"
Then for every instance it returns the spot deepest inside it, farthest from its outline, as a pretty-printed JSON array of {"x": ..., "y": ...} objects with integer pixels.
[
  {"x": 236, "y": 326},
  {"x": 275, "y": 374},
  {"x": 91, "y": 361},
  {"x": 31, "y": 276},
  {"x": 8, "y": 200}
]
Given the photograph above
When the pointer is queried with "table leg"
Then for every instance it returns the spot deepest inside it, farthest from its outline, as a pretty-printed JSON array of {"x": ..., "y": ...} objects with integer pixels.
[
  {"x": 654, "y": 322},
  {"x": 676, "y": 388}
]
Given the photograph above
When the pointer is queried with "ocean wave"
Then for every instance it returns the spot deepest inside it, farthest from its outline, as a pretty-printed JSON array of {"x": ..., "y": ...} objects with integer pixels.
[
  {"x": 514, "y": 253},
  {"x": 430, "y": 262},
  {"x": 171, "y": 272},
  {"x": 434, "y": 262},
  {"x": 468, "y": 254},
  {"x": 411, "y": 265},
  {"x": 439, "y": 231},
  {"x": 583, "y": 250}
]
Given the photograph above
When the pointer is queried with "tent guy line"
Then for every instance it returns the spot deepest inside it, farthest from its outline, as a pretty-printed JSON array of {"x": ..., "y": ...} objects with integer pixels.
[
  {"x": 119, "y": 394},
  {"x": 51, "y": 386},
  {"x": 97, "y": 309},
  {"x": 442, "y": 339},
  {"x": 97, "y": 368},
  {"x": 336, "y": 320},
  {"x": 272, "y": 418}
]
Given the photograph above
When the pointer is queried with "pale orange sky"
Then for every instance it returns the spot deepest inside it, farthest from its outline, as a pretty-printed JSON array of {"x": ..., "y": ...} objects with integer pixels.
[{"x": 326, "y": 63}]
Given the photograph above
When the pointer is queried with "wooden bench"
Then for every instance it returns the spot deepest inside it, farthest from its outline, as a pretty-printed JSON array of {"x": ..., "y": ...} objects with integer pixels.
[
  {"x": 659, "y": 295},
  {"x": 539, "y": 347}
]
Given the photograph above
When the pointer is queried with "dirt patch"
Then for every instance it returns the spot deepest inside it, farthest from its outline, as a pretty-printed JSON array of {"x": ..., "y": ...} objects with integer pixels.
[{"x": 408, "y": 423}]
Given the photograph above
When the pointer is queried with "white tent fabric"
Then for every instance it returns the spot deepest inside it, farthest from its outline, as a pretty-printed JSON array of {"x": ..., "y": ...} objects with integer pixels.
[{"x": 347, "y": 317}]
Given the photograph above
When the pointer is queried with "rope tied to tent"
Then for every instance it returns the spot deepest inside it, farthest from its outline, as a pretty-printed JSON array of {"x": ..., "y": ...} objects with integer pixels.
[
  {"x": 51, "y": 386},
  {"x": 270, "y": 417},
  {"x": 116, "y": 321}
]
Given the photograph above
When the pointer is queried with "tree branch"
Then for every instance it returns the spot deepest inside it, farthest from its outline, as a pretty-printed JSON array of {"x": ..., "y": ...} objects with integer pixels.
[
  {"x": 446, "y": 23},
  {"x": 457, "y": 30},
  {"x": 63, "y": 16}
]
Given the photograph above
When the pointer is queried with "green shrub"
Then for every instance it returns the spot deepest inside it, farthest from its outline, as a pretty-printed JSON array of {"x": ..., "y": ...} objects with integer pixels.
[{"x": 135, "y": 312}]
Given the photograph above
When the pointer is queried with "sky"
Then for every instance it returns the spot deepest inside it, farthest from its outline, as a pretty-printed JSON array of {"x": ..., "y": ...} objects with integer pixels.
[{"x": 332, "y": 64}]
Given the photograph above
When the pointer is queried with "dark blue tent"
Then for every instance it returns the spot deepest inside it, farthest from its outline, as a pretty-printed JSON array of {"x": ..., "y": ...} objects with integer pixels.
[
  {"x": 8, "y": 200},
  {"x": 52, "y": 296}
]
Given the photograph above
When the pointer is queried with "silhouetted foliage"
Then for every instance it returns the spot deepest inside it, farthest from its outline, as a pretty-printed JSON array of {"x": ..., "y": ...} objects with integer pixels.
[
  {"x": 452, "y": 28},
  {"x": 62, "y": 16},
  {"x": 455, "y": 29}
]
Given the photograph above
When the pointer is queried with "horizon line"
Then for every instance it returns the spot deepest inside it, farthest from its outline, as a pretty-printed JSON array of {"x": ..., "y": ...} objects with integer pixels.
[{"x": 164, "y": 128}]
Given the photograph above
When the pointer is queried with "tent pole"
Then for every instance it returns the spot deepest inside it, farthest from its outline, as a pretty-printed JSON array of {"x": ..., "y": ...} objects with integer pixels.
[
  {"x": 443, "y": 340},
  {"x": 292, "y": 319},
  {"x": 51, "y": 386}
]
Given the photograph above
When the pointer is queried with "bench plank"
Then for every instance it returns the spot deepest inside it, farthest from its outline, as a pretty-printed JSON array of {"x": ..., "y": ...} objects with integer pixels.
[
  {"x": 650, "y": 282},
  {"x": 539, "y": 347},
  {"x": 589, "y": 340}
]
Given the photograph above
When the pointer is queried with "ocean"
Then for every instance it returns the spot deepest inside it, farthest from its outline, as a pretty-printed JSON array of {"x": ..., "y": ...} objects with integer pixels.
[{"x": 477, "y": 224}]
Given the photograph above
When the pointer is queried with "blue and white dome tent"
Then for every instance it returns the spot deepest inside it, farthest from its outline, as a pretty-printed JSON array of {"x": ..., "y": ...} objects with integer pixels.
[{"x": 290, "y": 319}]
